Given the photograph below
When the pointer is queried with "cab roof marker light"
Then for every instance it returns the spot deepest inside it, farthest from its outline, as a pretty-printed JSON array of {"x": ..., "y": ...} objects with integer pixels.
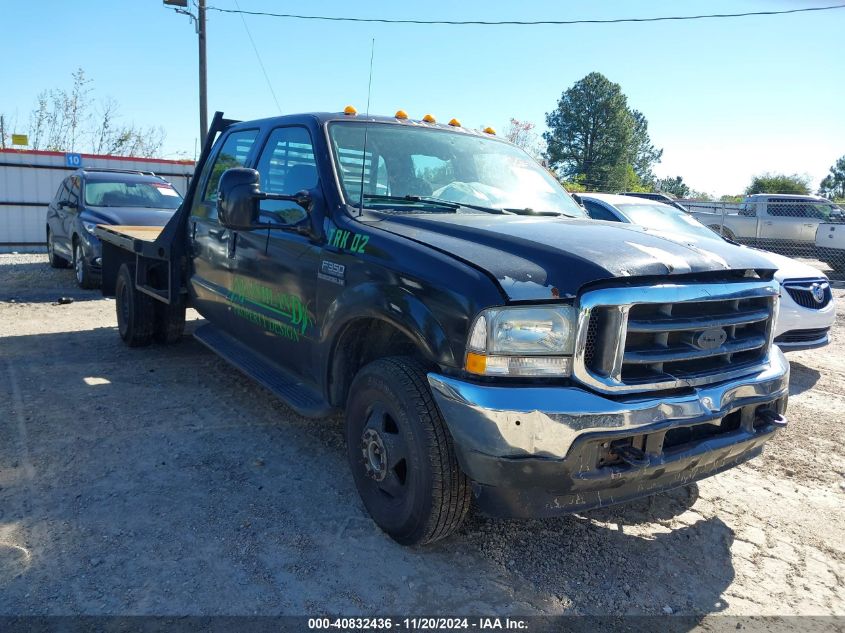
[
  {"x": 490, "y": 130},
  {"x": 429, "y": 119},
  {"x": 455, "y": 123},
  {"x": 401, "y": 114},
  {"x": 350, "y": 110}
]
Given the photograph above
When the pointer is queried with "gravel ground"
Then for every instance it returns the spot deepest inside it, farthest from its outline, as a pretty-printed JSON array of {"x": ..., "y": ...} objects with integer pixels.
[{"x": 161, "y": 481}]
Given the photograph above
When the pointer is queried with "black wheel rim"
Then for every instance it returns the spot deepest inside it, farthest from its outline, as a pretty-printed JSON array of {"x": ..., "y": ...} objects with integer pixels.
[
  {"x": 78, "y": 263},
  {"x": 385, "y": 455}
]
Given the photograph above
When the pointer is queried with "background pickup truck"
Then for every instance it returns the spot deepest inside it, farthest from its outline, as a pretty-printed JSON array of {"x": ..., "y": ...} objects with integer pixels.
[
  {"x": 830, "y": 245},
  {"x": 485, "y": 339},
  {"x": 771, "y": 220}
]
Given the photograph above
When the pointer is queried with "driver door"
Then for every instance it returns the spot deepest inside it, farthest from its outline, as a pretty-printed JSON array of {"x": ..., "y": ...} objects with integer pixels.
[{"x": 275, "y": 274}]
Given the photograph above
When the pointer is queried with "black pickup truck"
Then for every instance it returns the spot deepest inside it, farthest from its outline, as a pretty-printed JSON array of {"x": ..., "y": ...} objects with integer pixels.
[{"x": 485, "y": 339}]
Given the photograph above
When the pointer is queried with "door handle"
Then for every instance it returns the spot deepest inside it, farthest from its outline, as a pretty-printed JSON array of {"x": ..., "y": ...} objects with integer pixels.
[
  {"x": 769, "y": 223},
  {"x": 810, "y": 225}
]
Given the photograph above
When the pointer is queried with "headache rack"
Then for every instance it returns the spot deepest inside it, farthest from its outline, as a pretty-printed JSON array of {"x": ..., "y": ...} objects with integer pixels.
[{"x": 671, "y": 336}]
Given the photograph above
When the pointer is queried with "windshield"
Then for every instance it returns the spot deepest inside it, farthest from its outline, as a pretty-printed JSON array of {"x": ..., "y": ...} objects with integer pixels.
[
  {"x": 154, "y": 195},
  {"x": 662, "y": 217},
  {"x": 423, "y": 162}
]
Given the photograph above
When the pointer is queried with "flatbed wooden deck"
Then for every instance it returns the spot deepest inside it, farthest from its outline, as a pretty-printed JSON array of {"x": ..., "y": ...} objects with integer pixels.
[
  {"x": 145, "y": 233},
  {"x": 137, "y": 239}
]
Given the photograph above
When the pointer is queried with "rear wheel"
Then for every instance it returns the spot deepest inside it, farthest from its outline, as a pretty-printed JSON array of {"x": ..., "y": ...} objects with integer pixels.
[
  {"x": 84, "y": 277},
  {"x": 56, "y": 261},
  {"x": 135, "y": 310},
  {"x": 401, "y": 454}
]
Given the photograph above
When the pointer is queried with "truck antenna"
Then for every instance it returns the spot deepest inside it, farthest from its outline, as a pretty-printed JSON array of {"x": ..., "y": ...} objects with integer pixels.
[{"x": 366, "y": 129}]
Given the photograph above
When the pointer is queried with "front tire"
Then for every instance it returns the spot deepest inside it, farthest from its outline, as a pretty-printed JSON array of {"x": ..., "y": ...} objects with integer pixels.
[
  {"x": 56, "y": 261},
  {"x": 135, "y": 311},
  {"x": 82, "y": 269},
  {"x": 401, "y": 454}
]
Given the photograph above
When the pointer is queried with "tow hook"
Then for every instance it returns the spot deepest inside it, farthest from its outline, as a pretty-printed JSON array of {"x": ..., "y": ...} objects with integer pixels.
[
  {"x": 630, "y": 454},
  {"x": 772, "y": 417}
]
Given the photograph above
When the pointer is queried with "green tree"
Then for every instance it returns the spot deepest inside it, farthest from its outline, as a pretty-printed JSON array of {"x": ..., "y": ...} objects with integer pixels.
[
  {"x": 645, "y": 154},
  {"x": 674, "y": 186},
  {"x": 779, "y": 183},
  {"x": 595, "y": 136},
  {"x": 833, "y": 185},
  {"x": 523, "y": 135}
]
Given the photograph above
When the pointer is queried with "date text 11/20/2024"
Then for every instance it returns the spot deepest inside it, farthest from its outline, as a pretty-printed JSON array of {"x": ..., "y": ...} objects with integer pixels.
[{"x": 417, "y": 624}]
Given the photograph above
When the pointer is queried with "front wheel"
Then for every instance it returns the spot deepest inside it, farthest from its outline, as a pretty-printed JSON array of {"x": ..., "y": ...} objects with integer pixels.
[
  {"x": 84, "y": 276},
  {"x": 401, "y": 454}
]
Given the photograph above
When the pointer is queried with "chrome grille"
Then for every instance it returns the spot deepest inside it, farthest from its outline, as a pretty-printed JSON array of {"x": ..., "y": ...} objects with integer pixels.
[
  {"x": 813, "y": 294},
  {"x": 672, "y": 335}
]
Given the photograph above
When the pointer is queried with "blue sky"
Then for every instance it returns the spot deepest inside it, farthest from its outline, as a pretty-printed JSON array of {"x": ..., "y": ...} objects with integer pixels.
[{"x": 725, "y": 99}]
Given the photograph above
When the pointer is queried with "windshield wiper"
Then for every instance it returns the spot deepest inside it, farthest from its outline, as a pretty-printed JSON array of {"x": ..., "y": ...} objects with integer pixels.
[
  {"x": 529, "y": 211},
  {"x": 446, "y": 204},
  {"x": 412, "y": 200}
]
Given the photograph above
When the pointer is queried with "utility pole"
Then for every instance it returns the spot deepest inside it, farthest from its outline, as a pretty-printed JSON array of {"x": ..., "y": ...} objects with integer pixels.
[
  {"x": 2, "y": 132},
  {"x": 203, "y": 78},
  {"x": 181, "y": 6}
]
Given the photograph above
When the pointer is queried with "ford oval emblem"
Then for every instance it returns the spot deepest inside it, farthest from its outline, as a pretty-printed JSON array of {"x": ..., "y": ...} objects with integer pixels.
[
  {"x": 710, "y": 339},
  {"x": 818, "y": 292}
]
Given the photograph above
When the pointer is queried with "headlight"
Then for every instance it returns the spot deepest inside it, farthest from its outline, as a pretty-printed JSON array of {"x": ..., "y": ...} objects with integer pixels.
[
  {"x": 89, "y": 226},
  {"x": 522, "y": 341}
]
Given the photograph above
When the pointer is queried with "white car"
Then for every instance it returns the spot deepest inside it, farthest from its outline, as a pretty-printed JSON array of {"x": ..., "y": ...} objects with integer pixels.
[{"x": 807, "y": 308}]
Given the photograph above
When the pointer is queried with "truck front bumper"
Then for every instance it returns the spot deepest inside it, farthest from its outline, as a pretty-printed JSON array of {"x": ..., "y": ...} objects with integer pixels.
[{"x": 544, "y": 451}]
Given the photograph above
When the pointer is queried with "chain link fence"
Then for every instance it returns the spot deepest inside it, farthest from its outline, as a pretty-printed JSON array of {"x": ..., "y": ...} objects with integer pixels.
[{"x": 805, "y": 228}]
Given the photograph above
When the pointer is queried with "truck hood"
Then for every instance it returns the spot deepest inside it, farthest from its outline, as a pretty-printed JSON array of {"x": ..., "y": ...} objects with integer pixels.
[
  {"x": 130, "y": 216},
  {"x": 789, "y": 268},
  {"x": 544, "y": 257}
]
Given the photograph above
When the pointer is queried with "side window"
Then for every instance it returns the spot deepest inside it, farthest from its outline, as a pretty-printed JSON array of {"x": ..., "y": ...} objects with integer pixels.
[
  {"x": 74, "y": 189},
  {"x": 287, "y": 166},
  {"x": 748, "y": 209},
  {"x": 598, "y": 212},
  {"x": 233, "y": 153},
  {"x": 784, "y": 207},
  {"x": 61, "y": 193}
]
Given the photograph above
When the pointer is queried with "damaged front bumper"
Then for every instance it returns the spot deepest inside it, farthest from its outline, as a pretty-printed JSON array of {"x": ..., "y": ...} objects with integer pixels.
[{"x": 543, "y": 451}]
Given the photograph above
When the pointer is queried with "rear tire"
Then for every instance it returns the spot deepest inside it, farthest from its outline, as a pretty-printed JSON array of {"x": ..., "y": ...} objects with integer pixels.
[
  {"x": 56, "y": 261},
  {"x": 135, "y": 311},
  {"x": 401, "y": 454},
  {"x": 169, "y": 322}
]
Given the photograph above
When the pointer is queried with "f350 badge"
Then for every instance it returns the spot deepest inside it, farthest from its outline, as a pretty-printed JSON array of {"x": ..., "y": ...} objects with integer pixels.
[{"x": 333, "y": 272}]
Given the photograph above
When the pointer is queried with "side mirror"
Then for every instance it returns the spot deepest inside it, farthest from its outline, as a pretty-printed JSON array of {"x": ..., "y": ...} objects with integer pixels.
[
  {"x": 238, "y": 197},
  {"x": 67, "y": 204}
]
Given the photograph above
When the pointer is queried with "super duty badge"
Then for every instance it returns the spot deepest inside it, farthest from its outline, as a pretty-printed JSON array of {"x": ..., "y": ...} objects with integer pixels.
[{"x": 333, "y": 272}]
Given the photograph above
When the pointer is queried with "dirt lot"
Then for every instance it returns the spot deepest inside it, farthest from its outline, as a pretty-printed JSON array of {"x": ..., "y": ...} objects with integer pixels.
[{"x": 161, "y": 481}]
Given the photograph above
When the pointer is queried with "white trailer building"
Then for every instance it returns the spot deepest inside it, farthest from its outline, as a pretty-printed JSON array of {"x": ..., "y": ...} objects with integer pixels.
[{"x": 29, "y": 180}]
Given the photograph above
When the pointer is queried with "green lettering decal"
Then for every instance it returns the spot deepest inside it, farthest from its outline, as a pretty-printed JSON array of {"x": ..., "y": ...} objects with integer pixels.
[
  {"x": 290, "y": 317},
  {"x": 339, "y": 238}
]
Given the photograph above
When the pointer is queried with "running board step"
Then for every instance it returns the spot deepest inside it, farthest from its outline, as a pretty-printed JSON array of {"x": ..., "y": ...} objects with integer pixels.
[{"x": 292, "y": 392}]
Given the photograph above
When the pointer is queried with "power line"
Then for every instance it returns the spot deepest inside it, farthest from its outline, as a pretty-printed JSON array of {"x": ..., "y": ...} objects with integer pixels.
[
  {"x": 258, "y": 55},
  {"x": 329, "y": 18}
]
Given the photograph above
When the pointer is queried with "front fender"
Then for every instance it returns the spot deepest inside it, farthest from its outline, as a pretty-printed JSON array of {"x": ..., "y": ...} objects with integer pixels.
[{"x": 395, "y": 305}]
